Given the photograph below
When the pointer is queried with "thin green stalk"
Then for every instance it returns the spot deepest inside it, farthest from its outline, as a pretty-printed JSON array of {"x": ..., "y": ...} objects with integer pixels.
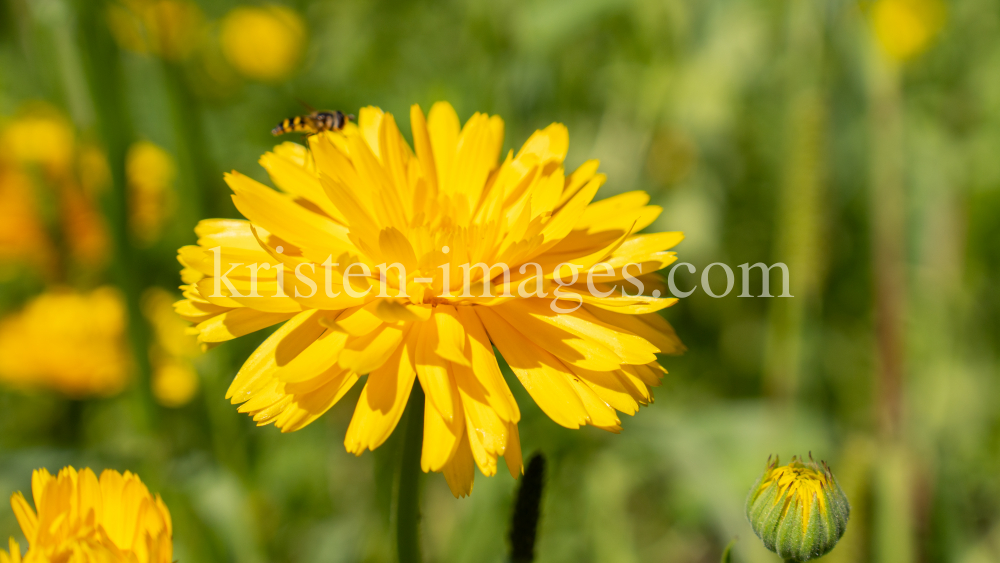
[
  {"x": 102, "y": 69},
  {"x": 406, "y": 508},
  {"x": 888, "y": 219},
  {"x": 201, "y": 180},
  {"x": 527, "y": 511},
  {"x": 895, "y": 520},
  {"x": 799, "y": 225}
]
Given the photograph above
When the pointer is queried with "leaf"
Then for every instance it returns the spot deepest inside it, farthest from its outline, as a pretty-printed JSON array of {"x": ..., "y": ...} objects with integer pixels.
[{"x": 727, "y": 554}]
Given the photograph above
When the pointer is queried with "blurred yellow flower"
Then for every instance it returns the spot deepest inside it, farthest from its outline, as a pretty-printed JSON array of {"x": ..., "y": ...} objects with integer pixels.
[
  {"x": 93, "y": 170},
  {"x": 83, "y": 227},
  {"x": 170, "y": 331},
  {"x": 59, "y": 202},
  {"x": 23, "y": 239},
  {"x": 905, "y": 28},
  {"x": 363, "y": 196},
  {"x": 263, "y": 43},
  {"x": 150, "y": 173},
  {"x": 81, "y": 519},
  {"x": 70, "y": 342},
  {"x": 168, "y": 28},
  {"x": 40, "y": 135},
  {"x": 175, "y": 380}
]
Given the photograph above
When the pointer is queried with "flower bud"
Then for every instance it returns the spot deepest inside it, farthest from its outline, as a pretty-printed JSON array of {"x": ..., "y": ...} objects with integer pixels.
[{"x": 798, "y": 510}]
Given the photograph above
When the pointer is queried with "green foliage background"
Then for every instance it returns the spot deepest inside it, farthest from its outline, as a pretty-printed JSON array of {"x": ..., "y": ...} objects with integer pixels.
[{"x": 766, "y": 129}]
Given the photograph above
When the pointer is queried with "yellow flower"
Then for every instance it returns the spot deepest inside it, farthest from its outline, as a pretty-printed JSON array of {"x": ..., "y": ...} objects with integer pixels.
[
  {"x": 22, "y": 233},
  {"x": 263, "y": 43},
  {"x": 904, "y": 28},
  {"x": 93, "y": 169},
  {"x": 168, "y": 28},
  {"x": 168, "y": 329},
  {"x": 85, "y": 520},
  {"x": 70, "y": 342},
  {"x": 363, "y": 196},
  {"x": 74, "y": 174},
  {"x": 40, "y": 135},
  {"x": 150, "y": 173},
  {"x": 83, "y": 226},
  {"x": 175, "y": 380}
]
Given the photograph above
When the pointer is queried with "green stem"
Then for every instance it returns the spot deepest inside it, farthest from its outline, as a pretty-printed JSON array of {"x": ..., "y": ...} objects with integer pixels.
[
  {"x": 201, "y": 181},
  {"x": 103, "y": 73},
  {"x": 527, "y": 510},
  {"x": 406, "y": 508}
]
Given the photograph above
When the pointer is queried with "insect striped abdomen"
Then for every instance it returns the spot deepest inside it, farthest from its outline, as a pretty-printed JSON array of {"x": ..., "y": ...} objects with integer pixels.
[
  {"x": 315, "y": 122},
  {"x": 293, "y": 125}
]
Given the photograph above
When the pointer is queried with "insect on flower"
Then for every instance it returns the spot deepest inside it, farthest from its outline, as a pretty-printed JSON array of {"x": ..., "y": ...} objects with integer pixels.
[{"x": 314, "y": 122}]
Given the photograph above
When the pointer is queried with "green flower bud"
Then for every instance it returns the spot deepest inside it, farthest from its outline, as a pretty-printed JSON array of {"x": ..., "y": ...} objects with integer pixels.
[{"x": 798, "y": 510}]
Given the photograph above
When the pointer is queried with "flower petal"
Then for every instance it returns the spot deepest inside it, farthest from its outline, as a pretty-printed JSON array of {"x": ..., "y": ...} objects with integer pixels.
[
  {"x": 443, "y": 128},
  {"x": 537, "y": 371},
  {"x": 382, "y": 400},
  {"x": 432, "y": 369},
  {"x": 441, "y": 436},
  {"x": 460, "y": 470},
  {"x": 279, "y": 349}
]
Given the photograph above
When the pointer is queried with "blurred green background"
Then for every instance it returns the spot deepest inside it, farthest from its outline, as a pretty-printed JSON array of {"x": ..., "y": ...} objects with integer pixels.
[{"x": 855, "y": 142}]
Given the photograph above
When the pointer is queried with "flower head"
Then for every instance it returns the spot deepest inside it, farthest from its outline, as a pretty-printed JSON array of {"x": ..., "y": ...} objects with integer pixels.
[
  {"x": 150, "y": 172},
  {"x": 798, "y": 510},
  {"x": 40, "y": 135},
  {"x": 905, "y": 28},
  {"x": 23, "y": 238},
  {"x": 174, "y": 379},
  {"x": 72, "y": 174},
  {"x": 71, "y": 342},
  {"x": 263, "y": 43},
  {"x": 411, "y": 264},
  {"x": 167, "y": 28},
  {"x": 81, "y": 518}
]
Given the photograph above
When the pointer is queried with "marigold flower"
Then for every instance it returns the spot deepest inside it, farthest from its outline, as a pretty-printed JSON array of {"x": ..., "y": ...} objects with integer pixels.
[
  {"x": 905, "y": 28},
  {"x": 263, "y": 43},
  {"x": 73, "y": 174},
  {"x": 93, "y": 170},
  {"x": 40, "y": 135},
  {"x": 83, "y": 227},
  {"x": 362, "y": 197},
  {"x": 23, "y": 239},
  {"x": 150, "y": 172},
  {"x": 168, "y": 28},
  {"x": 69, "y": 342},
  {"x": 85, "y": 520},
  {"x": 175, "y": 380},
  {"x": 798, "y": 510}
]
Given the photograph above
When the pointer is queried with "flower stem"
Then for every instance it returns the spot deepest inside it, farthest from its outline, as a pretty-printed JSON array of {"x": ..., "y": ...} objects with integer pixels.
[
  {"x": 406, "y": 508},
  {"x": 103, "y": 74},
  {"x": 200, "y": 183},
  {"x": 524, "y": 524}
]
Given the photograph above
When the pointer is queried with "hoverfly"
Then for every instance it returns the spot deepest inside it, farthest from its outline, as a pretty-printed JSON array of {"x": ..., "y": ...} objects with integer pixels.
[{"x": 315, "y": 122}]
